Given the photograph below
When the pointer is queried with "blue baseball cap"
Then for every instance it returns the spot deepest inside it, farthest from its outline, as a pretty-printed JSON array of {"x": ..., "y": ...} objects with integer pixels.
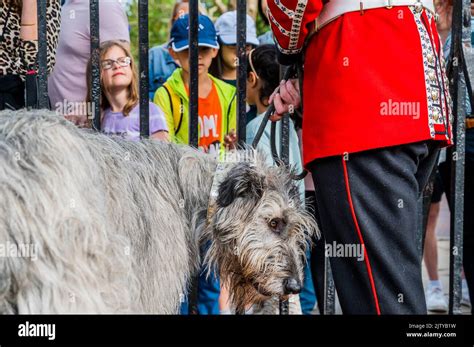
[{"x": 207, "y": 36}]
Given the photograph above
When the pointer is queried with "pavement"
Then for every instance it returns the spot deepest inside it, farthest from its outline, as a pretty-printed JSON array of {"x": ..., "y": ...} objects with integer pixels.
[{"x": 442, "y": 235}]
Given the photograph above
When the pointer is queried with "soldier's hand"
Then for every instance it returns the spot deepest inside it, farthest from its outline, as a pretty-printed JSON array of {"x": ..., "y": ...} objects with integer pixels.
[{"x": 286, "y": 99}]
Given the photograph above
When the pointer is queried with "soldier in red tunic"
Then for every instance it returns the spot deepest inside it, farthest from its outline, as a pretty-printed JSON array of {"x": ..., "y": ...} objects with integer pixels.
[{"x": 376, "y": 111}]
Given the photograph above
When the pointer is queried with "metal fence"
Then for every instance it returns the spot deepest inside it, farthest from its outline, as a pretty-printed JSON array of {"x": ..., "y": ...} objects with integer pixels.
[
  {"x": 461, "y": 37},
  {"x": 457, "y": 79}
]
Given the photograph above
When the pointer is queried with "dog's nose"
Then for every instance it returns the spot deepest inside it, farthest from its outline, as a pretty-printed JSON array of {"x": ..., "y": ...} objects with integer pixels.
[{"x": 291, "y": 286}]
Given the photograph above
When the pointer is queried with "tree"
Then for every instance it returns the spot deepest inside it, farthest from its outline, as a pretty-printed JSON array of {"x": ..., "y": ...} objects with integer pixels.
[{"x": 159, "y": 16}]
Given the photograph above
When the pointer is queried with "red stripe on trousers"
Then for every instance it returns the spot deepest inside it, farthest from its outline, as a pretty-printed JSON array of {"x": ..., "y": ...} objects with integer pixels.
[{"x": 354, "y": 218}]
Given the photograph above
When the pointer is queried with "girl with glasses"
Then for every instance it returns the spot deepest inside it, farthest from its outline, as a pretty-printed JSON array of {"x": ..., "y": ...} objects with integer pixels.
[{"x": 120, "y": 112}]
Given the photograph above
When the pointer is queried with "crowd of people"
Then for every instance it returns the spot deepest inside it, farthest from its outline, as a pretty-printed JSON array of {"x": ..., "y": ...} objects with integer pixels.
[{"x": 69, "y": 68}]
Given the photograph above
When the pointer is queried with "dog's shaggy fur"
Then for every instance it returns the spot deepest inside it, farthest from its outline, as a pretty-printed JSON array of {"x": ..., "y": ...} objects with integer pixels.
[{"x": 117, "y": 223}]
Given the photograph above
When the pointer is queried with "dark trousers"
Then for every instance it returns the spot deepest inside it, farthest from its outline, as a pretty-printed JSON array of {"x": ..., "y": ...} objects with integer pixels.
[
  {"x": 369, "y": 201},
  {"x": 12, "y": 92}
]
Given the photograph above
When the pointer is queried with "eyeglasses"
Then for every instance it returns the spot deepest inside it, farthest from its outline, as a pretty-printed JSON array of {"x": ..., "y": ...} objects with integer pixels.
[{"x": 109, "y": 63}]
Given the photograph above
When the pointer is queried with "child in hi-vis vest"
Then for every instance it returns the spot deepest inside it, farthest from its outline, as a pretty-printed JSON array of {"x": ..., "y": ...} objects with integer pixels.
[{"x": 217, "y": 99}]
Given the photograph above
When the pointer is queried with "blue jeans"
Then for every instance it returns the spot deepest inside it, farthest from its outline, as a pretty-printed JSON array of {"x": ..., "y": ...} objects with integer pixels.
[
  {"x": 307, "y": 295},
  {"x": 208, "y": 291}
]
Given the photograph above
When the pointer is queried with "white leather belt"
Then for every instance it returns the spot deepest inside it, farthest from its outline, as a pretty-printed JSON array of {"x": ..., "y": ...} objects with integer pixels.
[{"x": 336, "y": 8}]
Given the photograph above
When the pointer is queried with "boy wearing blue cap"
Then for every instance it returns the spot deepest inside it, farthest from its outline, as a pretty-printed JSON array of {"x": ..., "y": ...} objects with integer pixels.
[{"x": 217, "y": 100}]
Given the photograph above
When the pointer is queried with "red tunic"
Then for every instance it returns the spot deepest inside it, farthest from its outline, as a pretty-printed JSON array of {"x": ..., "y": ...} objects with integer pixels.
[{"x": 371, "y": 80}]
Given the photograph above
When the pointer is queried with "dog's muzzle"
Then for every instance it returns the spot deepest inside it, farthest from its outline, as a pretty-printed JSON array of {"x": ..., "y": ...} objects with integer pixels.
[{"x": 291, "y": 286}]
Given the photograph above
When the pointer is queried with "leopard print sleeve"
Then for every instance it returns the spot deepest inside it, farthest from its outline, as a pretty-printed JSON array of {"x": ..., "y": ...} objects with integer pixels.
[
  {"x": 29, "y": 49},
  {"x": 27, "y": 57}
]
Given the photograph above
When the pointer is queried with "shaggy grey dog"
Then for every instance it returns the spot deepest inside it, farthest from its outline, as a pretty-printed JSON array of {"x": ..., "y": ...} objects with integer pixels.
[{"x": 117, "y": 224}]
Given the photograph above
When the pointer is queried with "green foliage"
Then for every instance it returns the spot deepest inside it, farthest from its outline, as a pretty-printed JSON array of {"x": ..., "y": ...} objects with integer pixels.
[
  {"x": 159, "y": 14},
  {"x": 159, "y": 17}
]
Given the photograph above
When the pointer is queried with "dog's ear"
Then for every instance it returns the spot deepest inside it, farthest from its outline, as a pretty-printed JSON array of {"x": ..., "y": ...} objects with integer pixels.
[{"x": 242, "y": 181}]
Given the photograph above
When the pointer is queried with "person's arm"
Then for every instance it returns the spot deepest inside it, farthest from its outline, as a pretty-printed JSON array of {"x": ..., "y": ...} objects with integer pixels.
[
  {"x": 29, "y": 21},
  {"x": 161, "y": 135},
  {"x": 163, "y": 101},
  {"x": 158, "y": 127},
  {"x": 291, "y": 22},
  {"x": 29, "y": 34},
  {"x": 28, "y": 49},
  {"x": 286, "y": 99},
  {"x": 53, "y": 27}
]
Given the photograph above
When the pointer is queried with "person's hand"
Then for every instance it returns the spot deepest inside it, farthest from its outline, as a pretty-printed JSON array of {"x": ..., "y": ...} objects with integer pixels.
[
  {"x": 79, "y": 120},
  {"x": 161, "y": 135},
  {"x": 230, "y": 140},
  {"x": 286, "y": 99}
]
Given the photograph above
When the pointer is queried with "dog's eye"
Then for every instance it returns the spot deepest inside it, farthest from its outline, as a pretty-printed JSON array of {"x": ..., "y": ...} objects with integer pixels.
[{"x": 276, "y": 224}]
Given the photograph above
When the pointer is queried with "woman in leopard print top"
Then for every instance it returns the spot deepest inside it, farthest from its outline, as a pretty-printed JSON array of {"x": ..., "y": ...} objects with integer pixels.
[
  {"x": 19, "y": 40},
  {"x": 16, "y": 54}
]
